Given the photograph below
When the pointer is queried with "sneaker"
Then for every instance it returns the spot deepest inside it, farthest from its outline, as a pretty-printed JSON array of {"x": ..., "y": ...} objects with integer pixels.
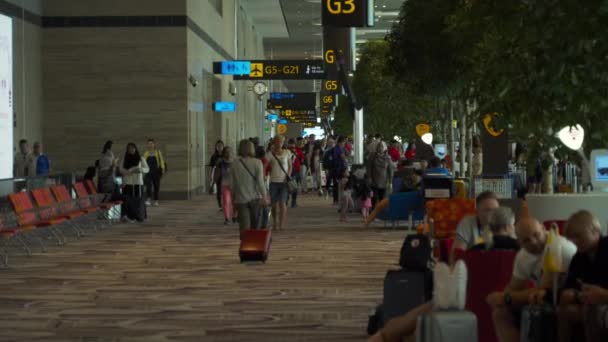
[
  {"x": 148, "y": 203},
  {"x": 226, "y": 222},
  {"x": 156, "y": 204},
  {"x": 441, "y": 286},
  {"x": 458, "y": 288}
]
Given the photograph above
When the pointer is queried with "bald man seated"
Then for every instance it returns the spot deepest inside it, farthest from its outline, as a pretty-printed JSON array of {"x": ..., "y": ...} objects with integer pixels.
[
  {"x": 507, "y": 305},
  {"x": 584, "y": 299}
]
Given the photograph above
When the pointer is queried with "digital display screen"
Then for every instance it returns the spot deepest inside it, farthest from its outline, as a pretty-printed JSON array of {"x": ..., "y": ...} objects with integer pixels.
[
  {"x": 292, "y": 101},
  {"x": 224, "y": 106},
  {"x": 6, "y": 97},
  {"x": 601, "y": 168},
  {"x": 441, "y": 150}
]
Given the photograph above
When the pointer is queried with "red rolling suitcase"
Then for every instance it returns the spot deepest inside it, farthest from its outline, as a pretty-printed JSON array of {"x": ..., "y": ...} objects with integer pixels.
[{"x": 255, "y": 245}]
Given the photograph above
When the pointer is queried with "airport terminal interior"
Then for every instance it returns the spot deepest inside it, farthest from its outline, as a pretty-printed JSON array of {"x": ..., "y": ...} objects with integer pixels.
[{"x": 303, "y": 170}]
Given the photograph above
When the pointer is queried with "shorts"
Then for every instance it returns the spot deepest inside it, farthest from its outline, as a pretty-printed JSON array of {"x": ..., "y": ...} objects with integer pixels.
[{"x": 278, "y": 193}]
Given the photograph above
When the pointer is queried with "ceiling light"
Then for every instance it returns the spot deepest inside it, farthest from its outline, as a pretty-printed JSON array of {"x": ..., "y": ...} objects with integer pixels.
[
  {"x": 383, "y": 6},
  {"x": 572, "y": 136}
]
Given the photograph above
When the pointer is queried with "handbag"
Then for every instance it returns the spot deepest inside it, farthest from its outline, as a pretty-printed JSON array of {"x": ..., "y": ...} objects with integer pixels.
[
  {"x": 292, "y": 185},
  {"x": 255, "y": 181}
]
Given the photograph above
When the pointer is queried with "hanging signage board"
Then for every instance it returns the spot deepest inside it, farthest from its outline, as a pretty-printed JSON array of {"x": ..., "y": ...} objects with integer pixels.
[
  {"x": 345, "y": 13},
  {"x": 284, "y": 70}
]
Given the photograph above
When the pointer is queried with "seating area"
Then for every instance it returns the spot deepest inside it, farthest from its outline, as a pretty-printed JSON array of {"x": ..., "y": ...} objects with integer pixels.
[{"x": 53, "y": 215}]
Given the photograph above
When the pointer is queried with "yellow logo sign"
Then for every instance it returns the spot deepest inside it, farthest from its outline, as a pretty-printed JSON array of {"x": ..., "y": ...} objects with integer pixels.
[
  {"x": 281, "y": 129},
  {"x": 489, "y": 125},
  {"x": 422, "y": 129},
  {"x": 257, "y": 70},
  {"x": 330, "y": 56}
]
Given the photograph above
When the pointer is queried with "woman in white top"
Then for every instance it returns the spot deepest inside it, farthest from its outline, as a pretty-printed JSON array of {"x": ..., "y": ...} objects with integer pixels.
[
  {"x": 279, "y": 161},
  {"x": 132, "y": 167}
]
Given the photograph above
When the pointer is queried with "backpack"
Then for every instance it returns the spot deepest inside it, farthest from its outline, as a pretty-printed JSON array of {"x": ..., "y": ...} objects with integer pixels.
[
  {"x": 416, "y": 252},
  {"x": 328, "y": 159}
]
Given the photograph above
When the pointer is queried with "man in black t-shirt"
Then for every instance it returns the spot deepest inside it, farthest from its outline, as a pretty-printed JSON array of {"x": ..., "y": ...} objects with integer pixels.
[
  {"x": 502, "y": 227},
  {"x": 585, "y": 295}
]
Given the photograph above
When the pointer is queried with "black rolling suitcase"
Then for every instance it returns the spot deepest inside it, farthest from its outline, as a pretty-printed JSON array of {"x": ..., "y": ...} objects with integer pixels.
[
  {"x": 405, "y": 290},
  {"x": 539, "y": 324},
  {"x": 135, "y": 205}
]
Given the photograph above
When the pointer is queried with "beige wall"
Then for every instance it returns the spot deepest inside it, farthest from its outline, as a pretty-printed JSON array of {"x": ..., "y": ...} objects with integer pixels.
[
  {"x": 229, "y": 127},
  {"x": 120, "y": 84},
  {"x": 27, "y": 86}
]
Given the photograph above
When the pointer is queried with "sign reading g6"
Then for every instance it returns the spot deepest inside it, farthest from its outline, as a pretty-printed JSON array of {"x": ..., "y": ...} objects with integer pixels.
[{"x": 345, "y": 13}]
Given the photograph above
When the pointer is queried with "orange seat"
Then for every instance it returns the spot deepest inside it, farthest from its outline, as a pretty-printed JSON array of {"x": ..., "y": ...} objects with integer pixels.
[
  {"x": 49, "y": 208},
  {"x": 92, "y": 190},
  {"x": 26, "y": 214},
  {"x": 447, "y": 213}
]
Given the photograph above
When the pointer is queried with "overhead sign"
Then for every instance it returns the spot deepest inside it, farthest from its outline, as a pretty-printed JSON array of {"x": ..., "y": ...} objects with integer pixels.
[
  {"x": 232, "y": 67},
  {"x": 284, "y": 70},
  {"x": 345, "y": 13},
  {"x": 306, "y": 117},
  {"x": 292, "y": 101},
  {"x": 224, "y": 106}
]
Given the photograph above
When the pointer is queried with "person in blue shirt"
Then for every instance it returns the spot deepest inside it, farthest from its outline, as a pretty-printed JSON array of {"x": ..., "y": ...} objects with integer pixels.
[
  {"x": 436, "y": 168},
  {"x": 42, "y": 163}
]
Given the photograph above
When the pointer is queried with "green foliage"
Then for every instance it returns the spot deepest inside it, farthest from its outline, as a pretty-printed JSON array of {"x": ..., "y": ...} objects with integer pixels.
[{"x": 390, "y": 108}]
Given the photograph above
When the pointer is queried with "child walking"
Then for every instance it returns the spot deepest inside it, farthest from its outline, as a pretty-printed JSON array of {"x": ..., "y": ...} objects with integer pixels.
[
  {"x": 346, "y": 198},
  {"x": 365, "y": 195}
]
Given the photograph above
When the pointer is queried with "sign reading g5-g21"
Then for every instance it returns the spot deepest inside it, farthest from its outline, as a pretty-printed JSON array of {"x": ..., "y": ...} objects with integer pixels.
[
  {"x": 345, "y": 13},
  {"x": 285, "y": 70}
]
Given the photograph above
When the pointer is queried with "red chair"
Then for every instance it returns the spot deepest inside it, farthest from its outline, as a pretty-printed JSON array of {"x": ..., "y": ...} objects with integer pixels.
[
  {"x": 48, "y": 208},
  {"x": 8, "y": 233},
  {"x": 561, "y": 225},
  {"x": 100, "y": 199},
  {"x": 27, "y": 216},
  {"x": 481, "y": 284}
]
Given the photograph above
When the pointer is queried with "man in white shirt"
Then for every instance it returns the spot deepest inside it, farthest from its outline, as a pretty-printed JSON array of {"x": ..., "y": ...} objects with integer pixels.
[
  {"x": 23, "y": 161},
  {"x": 468, "y": 233},
  {"x": 507, "y": 305}
]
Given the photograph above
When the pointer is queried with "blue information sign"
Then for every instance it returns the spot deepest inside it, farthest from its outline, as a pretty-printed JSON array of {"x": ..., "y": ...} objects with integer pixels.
[
  {"x": 224, "y": 106},
  {"x": 232, "y": 67}
]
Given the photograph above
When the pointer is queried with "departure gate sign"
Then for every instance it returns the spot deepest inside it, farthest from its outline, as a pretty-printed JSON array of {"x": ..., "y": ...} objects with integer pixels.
[
  {"x": 292, "y": 101},
  {"x": 345, "y": 13},
  {"x": 284, "y": 70}
]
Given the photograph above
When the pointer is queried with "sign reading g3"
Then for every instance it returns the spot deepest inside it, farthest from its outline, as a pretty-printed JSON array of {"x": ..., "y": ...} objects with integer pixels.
[
  {"x": 345, "y": 13},
  {"x": 341, "y": 6}
]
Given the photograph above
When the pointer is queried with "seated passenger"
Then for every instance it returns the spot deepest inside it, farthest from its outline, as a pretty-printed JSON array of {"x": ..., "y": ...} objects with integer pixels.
[
  {"x": 411, "y": 183},
  {"x": 502, "y": 221},
  {"x": 585, "y": 296},
  {"x": 436, "y": 168},
  {"x": 507, "y": 305},
  {"x": 403, "y": 326},
  {"x": 470, "y": 228}
]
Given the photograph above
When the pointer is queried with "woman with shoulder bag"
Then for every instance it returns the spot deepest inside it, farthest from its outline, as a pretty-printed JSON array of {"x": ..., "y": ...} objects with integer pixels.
[
  {"x": 133, "y": 167},
  {"x": 247, "y": 178},
  {"x": 106, "y": 170},
  {"x": 280, "y": 169}
]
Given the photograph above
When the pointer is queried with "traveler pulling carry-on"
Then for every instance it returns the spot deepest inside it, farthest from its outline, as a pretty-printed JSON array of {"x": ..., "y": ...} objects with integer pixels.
[{"x": 255, "y": 245}]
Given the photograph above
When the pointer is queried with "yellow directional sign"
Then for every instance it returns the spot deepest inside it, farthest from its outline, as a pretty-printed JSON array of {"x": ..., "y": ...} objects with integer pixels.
[
  {"x": 282, "y": 129},
  {"x": 422, "y": 129},
  {"x": 257, "y": 70}
]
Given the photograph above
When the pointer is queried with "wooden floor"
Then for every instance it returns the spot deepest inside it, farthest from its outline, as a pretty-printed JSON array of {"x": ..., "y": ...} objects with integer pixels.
[{"x": 178, "y": 278}]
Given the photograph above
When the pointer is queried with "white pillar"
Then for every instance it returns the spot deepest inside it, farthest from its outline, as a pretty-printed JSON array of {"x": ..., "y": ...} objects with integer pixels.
[{"x": 358, "y": 136}]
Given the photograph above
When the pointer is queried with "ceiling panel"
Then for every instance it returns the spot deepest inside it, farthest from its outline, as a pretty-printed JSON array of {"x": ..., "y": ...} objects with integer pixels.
[{"x": 303, "y": 25}]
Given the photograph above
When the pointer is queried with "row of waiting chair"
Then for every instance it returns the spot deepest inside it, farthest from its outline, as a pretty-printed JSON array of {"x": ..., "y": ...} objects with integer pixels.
[{"x": 53, "y": 213}]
